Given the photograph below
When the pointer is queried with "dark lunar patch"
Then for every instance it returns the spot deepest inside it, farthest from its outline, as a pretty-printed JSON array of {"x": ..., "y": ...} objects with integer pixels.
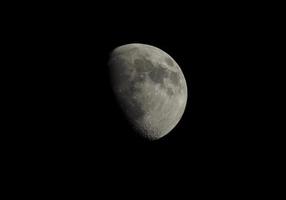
[
  {"x": 158, "y": 74},
  {"x": 170, "y": 91},
  {"x": 174, "y": 77},
  {"x": 169, "y": 61},
  {"x": 143, "y": 65}
]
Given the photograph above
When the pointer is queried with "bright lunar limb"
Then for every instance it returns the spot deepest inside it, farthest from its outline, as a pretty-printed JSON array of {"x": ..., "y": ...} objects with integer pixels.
[{"x": 150, "y": 88}]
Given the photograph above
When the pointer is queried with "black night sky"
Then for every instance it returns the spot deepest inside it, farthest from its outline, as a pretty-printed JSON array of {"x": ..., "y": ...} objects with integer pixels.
[{"x": 76, "y": 126}]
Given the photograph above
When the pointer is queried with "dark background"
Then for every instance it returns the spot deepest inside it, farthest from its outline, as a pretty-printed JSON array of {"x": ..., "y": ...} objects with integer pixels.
[{"x": 75, "y": 131}]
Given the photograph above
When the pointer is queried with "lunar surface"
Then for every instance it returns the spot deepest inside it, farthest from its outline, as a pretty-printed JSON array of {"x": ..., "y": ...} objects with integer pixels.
[{"x": 150, "y": 88}]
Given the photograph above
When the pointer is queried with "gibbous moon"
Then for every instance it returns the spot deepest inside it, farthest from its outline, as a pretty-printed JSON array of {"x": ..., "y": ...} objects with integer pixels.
[{"x": 150, "y": 88}]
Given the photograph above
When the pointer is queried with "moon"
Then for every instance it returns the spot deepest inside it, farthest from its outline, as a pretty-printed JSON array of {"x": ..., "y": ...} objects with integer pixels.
[{"x": 149, "y": 87}]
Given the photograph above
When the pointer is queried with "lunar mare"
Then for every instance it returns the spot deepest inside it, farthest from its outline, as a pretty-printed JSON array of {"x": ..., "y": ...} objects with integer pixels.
[{"x": 150, "y": 88}]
